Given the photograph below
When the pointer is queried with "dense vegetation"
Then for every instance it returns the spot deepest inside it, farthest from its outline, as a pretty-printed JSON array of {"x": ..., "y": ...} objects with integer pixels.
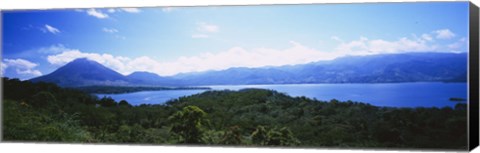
[
  {"x": 127, "y": 89},
  {"x": 249, "y": 117}
]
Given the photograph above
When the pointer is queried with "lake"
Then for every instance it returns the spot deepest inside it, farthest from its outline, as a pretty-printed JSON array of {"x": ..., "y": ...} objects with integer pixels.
[{"x": 420, "y": 94}]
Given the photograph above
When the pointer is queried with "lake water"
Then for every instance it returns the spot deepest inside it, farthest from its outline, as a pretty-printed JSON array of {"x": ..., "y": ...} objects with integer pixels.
[{"x": 422, "y": 94}]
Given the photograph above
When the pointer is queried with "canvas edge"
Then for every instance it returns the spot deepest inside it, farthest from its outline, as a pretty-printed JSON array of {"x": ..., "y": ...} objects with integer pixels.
[
  {"x": 473, "y": 107},
  {"x": 473, "y": 78}
]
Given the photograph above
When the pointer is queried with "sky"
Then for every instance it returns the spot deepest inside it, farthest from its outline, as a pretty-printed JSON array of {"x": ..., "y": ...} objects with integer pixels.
[{"x": 173, "y": 40}]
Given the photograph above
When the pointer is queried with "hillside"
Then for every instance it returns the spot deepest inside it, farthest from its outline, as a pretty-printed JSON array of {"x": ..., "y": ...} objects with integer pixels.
[
  {"x": 149, "y": 79},
  {"x": 83, "y": 72},
  {"x": 249, "y": 117},
  {"x": 409, "y": 67}
]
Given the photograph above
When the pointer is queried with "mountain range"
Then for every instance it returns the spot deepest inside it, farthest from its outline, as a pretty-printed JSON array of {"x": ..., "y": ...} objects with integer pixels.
[{"x": 383, "y": 68}]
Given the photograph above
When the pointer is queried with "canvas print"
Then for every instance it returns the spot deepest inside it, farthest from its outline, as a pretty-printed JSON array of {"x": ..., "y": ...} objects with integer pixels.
[{"x": 372, "y": 75}]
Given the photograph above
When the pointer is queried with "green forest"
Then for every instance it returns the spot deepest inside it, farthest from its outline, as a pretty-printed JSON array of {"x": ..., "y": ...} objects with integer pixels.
[
  {"x": 249, "y": 117},
  {"x": 129, "y": 89}
]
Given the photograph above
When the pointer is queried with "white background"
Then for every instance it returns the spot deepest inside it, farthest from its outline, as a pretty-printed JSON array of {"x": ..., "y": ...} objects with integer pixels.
[{"x": 81, "y": 148}]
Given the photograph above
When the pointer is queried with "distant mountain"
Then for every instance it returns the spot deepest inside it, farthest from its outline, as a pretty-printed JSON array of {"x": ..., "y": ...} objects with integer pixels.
[
  {"x": 238, "y": 76},
  {"x": 145, "y": 76},
  {"x": 83, "y": 72},
  {"x": 385, "y": 68},
  {"x": 408, "y": 67},
  {"x": 149, "y": 79},
  {"x": 411, "y": 67}
]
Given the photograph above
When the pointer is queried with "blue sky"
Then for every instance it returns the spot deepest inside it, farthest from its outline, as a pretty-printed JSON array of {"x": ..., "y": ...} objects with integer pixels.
[{"x": 172, "y": 40}]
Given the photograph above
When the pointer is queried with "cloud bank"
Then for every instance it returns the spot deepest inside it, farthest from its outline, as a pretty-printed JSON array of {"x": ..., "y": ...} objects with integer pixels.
[
  {"x": 424, "y": 43},
  {"x": 444, "y": 34},
  {"x": 21, "y": 66}
]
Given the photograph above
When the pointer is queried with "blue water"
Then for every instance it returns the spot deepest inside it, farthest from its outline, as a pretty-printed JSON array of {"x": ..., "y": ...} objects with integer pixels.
[{"x": 423, "y": 94}]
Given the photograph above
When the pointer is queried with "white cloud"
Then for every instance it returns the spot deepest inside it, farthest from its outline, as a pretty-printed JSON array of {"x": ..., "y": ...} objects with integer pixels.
[
  {"x": 113, "y": 31},
  {"x": 168, "y": 9},
  {"x": 20, "y": 63},
  {"x": 458, "y": 44},
  {"x": 205, "y": 27},
  {"x": 98, "y": 14},
  {"x": 233, "y": 57},
  {"x": 128, "y": 10},
  {"x": 427, "y": 37},
  {"x": 199, "y": 36},
  {"x": 29, "y": 72},
  {"x": 3, "y": 67},
  {"x": 71, "y": 54},
  {"x": 365, "y": 46},
  {"x": 110, "y": 30},
  {"x": 51, "y": 29},
  {"x": 120, "y": 64},
  {"x": 257, "y": 57},
  {"x": 444, "y": 34},
  {"x": 111, "y": 10},
  {"x": 237, "y": 56},
  {"x": 21, "y": 66},
  {"x": 131, "y": 10}
]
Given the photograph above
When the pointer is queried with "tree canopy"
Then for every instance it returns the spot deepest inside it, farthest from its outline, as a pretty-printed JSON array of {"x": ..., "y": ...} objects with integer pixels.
[{"x": 248, "y": 117}]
